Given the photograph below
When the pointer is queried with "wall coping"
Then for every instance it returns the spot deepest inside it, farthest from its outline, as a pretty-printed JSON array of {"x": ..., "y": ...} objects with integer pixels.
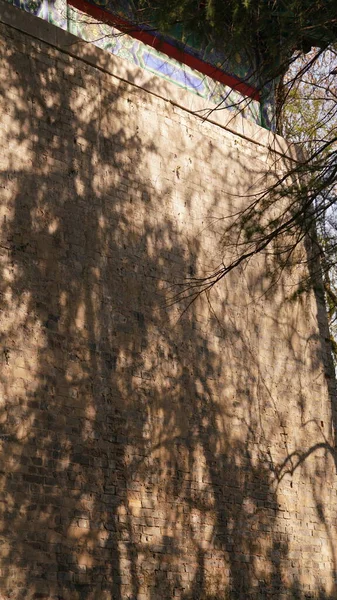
[{"x": 126, "y": 71}]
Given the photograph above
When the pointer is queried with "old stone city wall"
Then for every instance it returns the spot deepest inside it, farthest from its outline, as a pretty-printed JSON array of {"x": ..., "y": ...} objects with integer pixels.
[{"x": 146, "y": 456}]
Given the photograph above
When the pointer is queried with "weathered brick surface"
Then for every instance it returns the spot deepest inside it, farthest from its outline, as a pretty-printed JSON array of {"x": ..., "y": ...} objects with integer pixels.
[{"x": 145, "y": 456}]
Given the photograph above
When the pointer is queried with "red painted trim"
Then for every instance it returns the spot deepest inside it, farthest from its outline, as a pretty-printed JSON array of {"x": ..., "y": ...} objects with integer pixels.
[{"x": 152, "y": 40}]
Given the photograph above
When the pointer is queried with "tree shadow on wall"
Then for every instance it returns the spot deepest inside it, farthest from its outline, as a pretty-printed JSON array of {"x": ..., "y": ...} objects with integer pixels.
[{"x": 141, "y": 453}]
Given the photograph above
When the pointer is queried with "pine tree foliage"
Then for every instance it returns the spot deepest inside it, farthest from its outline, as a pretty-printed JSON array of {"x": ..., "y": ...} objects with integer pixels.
[{"x": 275, "y": 29}]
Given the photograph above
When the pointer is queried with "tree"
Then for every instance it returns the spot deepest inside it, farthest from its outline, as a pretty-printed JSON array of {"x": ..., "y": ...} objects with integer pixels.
[
  {"x": 299, "y": 205},
  {"x": 293, "y": 42},
  {"x": 310, "y": 118}
]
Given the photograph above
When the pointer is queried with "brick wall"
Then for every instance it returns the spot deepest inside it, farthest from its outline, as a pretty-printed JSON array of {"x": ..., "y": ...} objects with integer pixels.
[{"x": 147, "y": 454}]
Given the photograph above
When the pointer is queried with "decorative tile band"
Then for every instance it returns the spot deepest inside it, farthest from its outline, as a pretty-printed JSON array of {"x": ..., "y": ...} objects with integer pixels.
[{"x": 92, "y": 23}]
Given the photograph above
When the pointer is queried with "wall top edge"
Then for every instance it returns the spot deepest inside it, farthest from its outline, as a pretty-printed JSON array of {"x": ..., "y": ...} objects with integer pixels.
[{"x": 134, "y": 75}]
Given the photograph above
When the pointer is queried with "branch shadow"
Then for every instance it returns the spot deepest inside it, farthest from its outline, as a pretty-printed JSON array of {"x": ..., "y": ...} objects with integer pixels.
[{"x": 144, "y": 453}]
